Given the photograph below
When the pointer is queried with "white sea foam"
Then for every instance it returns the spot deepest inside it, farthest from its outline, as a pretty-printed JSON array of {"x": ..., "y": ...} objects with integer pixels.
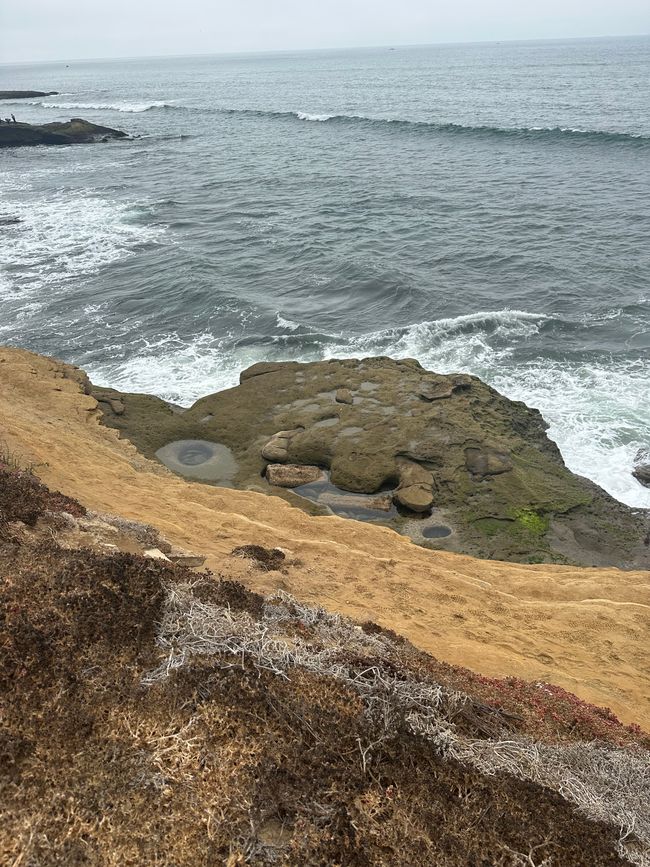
[
  {"x": 303, "y": 115},
  {"x": 598, "y": 413},
  {"x": 11, "y": 182},
  {"x": 175, "y": 369},
  {"x": 130, "y": 107},
  {"x": 287, "y": 324},
  {"x": 67, "y": 236}
]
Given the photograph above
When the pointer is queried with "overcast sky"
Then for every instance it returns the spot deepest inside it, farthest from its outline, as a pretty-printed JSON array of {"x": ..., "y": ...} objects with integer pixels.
[{"x": 73, "y": 29}]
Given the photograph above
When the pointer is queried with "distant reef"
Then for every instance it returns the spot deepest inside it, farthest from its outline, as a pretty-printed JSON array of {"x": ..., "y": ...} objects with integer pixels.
[
  {"x": 74, "y": 131},
  {"x": 25, "y": 94}
]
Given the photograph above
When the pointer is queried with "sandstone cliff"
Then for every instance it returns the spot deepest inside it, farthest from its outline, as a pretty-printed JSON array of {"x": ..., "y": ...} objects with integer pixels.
[{"x": 584, "y": 629}]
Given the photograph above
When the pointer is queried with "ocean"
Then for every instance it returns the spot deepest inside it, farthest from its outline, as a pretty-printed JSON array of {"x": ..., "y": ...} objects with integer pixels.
[{"x": 482, "y": 208}]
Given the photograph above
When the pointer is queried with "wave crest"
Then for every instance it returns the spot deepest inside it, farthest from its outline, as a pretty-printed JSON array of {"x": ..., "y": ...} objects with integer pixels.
[
  {"x": 532, "y": 133},
  {"x": 130, "y": 107}
]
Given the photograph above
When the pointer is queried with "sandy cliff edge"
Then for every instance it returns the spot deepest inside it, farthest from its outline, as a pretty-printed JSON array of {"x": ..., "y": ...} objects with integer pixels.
[{"x": 584, "y": 629}]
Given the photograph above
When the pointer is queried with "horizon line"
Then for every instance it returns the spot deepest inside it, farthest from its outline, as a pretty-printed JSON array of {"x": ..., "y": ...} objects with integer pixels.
[{"x": 387, "y": 46}]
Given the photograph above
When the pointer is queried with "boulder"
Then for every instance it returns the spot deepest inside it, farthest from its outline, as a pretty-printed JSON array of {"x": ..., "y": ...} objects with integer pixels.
[
  {"x": 276, "y": 449},
  {"x": 292, "y": 475},
  {"x": 417, "y": 498},
  {"x": 344, "y": 395},
  {"x": 435, "y": 389},
  {"x": 415, "y": 490},
  {"x": 440, "y": 387},
  {"x": 641, "y": 471}
]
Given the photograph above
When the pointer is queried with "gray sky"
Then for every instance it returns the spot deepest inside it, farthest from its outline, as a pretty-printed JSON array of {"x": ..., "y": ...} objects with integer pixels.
[{"x": 72, "y": 29}]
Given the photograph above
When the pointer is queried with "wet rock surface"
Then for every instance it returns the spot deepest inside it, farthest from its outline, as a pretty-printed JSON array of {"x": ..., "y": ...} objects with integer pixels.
[
  {"x": 379, "y": 508},
  {"x": 641, "y": 471},
  {"x": 451, "y": 450},
  {"x": 25, "y": 94},
  {"x": 74, "y": 131}
]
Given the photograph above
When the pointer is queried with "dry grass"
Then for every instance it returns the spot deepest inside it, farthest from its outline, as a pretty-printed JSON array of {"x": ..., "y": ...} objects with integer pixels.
[
  {"x": 606, "y": 783},
  {"x": 152, "y": 716}
]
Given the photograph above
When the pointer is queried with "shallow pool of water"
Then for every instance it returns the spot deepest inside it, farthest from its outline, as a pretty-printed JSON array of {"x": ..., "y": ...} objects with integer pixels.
[{"x": 201, "y": 460}]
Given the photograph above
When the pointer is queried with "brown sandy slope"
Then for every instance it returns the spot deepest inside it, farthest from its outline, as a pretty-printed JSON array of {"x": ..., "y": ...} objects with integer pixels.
[
  {"x": 152, "y": 715},
  {"x": 584, "y": 629}
]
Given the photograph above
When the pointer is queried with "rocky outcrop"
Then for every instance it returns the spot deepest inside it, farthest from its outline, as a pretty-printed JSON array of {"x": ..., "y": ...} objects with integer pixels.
[
  {"x": 74, "y": 131},
  {"x": 449, "y": 447},
  {"x": 583, "y": 629},
  {"x": 641, "y": 470},
  {"x": 25, "y": 94}
]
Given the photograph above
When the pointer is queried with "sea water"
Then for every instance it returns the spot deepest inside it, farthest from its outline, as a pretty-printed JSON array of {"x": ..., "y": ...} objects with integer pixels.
[{"x": 482, "y": 208}]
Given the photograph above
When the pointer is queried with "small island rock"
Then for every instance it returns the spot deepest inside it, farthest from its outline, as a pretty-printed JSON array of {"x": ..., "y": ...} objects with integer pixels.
[{"x": 74, "y": 131}]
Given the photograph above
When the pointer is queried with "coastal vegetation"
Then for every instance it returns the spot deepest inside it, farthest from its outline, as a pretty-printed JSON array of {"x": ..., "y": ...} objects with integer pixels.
[{"x": 171, "y": 715}]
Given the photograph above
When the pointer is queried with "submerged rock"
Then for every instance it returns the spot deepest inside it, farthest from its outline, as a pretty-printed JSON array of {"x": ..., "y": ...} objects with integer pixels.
[
  {"x": 450, "y": 444},
  {"x": 74, "y": 131},
  {"x": 641, "y": 470}
]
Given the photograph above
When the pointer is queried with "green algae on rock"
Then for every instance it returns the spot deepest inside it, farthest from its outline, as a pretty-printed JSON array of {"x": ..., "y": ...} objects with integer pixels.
[{"x": 449, "y": 447}]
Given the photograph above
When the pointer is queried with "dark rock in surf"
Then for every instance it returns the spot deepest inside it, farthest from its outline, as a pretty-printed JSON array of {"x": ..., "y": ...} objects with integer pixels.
[
  {"x": 26, "y": 94},
  {"x": 641, "y": 471},
  {"x": 74, "y": 131}
]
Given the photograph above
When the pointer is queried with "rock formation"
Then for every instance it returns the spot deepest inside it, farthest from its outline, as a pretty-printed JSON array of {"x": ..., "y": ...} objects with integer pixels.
[
  {"x": 641, "y": 470},
  {"x": 74, "y": 131},
  {"x": 26, "y": 94},
  {"x": 582, "y": 629},
  {"x": 451, "y": 450}
]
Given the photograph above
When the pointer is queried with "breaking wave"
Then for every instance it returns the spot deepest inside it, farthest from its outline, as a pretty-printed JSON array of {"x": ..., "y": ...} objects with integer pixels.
[
  {"x": 534, "y": 132},
  {"x": 56, "y": 238},
  {"x": 130, "y": 107},
  {"x": 596, "y": 410}
]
